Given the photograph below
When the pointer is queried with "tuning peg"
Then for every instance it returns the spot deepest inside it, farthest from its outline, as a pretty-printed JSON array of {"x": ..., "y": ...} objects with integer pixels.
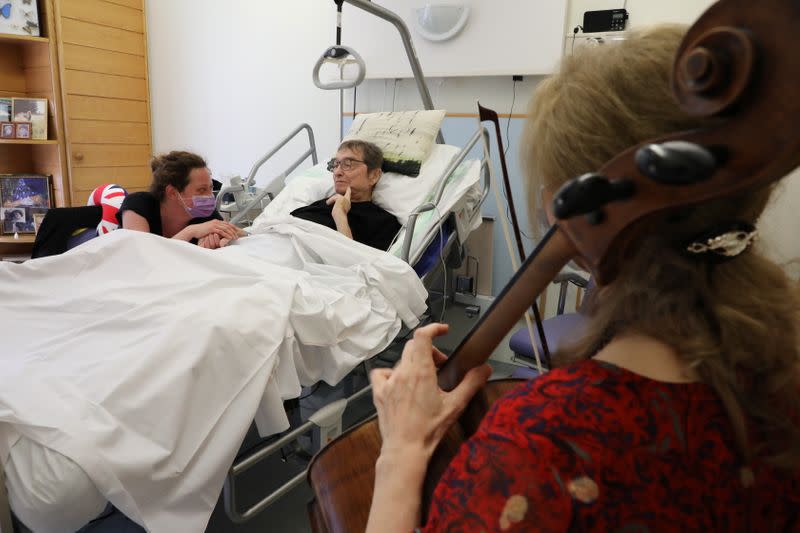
[
  {"x": 676, "y": 162},
  {"x": 587, "y": 194}
]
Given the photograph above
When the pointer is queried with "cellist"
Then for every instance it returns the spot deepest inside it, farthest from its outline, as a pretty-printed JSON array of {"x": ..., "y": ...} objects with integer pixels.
[{"x": 677, "y": 411}]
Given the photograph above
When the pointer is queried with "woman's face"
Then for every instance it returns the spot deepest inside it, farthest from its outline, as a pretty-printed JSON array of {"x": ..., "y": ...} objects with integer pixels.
[
  {"x": 360, "y": 180},
  {"x": 199, "y": 185}
]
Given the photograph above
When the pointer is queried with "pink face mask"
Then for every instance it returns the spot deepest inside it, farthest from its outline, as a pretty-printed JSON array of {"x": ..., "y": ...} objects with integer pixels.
[{"x": 202, "y": 206}]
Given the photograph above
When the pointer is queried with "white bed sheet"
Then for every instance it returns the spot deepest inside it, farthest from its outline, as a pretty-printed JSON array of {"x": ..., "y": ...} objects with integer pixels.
[{"x": 144, "y": 360}]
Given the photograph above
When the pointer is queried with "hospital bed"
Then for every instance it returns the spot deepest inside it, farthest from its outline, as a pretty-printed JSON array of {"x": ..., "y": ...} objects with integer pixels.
[
  {"x": 447, "y": 207},
  {"x": 435, "y": 228}
]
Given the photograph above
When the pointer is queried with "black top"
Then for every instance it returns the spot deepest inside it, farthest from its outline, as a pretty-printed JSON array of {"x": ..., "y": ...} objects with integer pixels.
[
  {"x": 146, "y": 205},
  {"x": 369, "y": 224}
]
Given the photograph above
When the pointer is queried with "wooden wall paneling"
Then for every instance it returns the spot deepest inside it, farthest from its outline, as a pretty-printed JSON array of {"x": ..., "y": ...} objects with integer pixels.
[
  {"x": 107, "y": 86},
  {"x": 103, "y": 37},
  {"x": 136, "y": 4},
  {"x": 87, "y": 178},
  {"x": 109, "y": 155},
  {"x": 108, "y": 132},
  {"x": 86, "y": 59},
  {"x": 102, "y": 47},
  {"x": 95, "y": 108},
  {"x": 82, "y": 196},
  {"x": 104, "y": 14}
]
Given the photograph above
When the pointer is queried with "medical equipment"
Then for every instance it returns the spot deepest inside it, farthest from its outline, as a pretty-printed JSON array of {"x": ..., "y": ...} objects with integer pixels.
[
  {"x": 604, "y": 20},
  {"x": 246, "y": 198}
]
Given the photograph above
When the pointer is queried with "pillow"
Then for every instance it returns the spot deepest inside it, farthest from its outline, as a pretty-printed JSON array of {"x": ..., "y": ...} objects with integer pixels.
[
  {"x": 405, "y": 137},
  {"x": 110, "y": 196},
  {"x": 400, "y": 194}
]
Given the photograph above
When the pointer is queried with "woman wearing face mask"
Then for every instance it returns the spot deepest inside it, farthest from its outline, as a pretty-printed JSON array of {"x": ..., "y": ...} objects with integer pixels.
[{"x": 179, "y": 205}]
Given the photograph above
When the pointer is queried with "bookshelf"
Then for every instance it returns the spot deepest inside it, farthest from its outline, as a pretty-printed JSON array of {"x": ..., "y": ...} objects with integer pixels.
[{"x": 29, "y": 68}]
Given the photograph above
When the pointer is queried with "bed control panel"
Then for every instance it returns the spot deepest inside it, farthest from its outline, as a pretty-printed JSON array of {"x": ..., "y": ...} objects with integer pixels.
[{"x": 604, "y": 20}]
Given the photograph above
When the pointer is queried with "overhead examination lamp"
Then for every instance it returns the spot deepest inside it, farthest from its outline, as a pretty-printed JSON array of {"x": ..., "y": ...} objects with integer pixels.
[{"x": 344, "y": 56}]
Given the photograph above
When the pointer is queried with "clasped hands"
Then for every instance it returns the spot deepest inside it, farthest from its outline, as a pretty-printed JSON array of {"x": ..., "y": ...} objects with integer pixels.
[{"x": 216, "y": 234}]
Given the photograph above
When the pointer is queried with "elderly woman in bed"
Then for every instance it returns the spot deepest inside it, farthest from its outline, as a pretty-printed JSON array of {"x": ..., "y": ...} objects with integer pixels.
[{"x": 350, "y": 211}]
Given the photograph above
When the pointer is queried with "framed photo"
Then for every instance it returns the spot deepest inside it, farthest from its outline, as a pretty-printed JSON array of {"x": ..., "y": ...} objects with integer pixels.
[
  {"x": 22, "y": 130},
  {"x": 33, "y": 110},
  {"x": 20, "y": 17},
  {"x": 16, "y": 220},
  {"x": 7, "y": 130},
  {"x": 37, "y": 220},
  {"x": 5, "y": 109},
  {"x": 25, "y": 190},
  {"x": 24, "y": 200}
]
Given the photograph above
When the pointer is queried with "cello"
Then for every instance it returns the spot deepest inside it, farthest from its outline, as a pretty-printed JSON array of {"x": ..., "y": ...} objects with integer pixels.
[{"x": 733, "y": 64}]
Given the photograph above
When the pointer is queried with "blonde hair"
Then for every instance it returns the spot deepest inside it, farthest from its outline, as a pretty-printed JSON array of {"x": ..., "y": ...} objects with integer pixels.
[{"x": 733, "y": 323}]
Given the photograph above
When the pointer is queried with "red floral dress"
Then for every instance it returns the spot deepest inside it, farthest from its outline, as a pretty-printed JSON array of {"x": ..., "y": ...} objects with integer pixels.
[{"x": 594, "y": 447}]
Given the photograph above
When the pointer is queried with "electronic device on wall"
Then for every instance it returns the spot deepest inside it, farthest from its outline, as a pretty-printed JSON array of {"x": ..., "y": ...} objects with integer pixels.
[{"x": 604, "y": 20}]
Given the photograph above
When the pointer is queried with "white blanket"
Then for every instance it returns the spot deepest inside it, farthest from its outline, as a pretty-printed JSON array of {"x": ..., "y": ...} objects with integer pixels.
[{"x": 144, "y": 359}]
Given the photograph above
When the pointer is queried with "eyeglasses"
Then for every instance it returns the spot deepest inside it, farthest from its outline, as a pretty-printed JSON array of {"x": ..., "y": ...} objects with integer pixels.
[{"x": 346, "y": 163}]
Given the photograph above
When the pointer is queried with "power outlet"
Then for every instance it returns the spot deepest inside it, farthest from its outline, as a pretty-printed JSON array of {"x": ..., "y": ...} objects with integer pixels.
[{"x": 516, "y": 77}]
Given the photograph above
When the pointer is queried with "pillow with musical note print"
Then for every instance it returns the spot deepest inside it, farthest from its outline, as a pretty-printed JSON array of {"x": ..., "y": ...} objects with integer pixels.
[{"x": 405, "y": 137}]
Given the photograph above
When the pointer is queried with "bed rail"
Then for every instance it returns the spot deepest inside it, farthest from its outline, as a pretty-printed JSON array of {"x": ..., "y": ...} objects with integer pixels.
[
  {"x": 241, "y": 187},
  {"x": 324, "y": 420},
  {"x": 479, "y": 134}
]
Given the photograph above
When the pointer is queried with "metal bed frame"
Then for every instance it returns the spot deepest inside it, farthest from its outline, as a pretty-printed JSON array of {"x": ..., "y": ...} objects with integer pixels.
[{"x": 326, "y": 423}]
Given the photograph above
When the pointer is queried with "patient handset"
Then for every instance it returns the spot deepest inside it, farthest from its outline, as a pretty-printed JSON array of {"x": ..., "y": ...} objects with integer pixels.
[
  {"x": 732, "y": 64},
  {"x": 341, "y": 57}
]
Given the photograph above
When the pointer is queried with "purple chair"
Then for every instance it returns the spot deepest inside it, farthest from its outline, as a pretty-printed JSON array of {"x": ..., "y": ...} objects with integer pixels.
[{"x": 559, "y": 330}]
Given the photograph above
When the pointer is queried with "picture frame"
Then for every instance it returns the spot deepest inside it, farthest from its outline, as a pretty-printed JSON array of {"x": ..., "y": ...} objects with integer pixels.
[
  {"x": 38, "y": 217},
  {"x": 33, "y": 110},
  {"x": 7, "y": 130},
  {"x": 20, "y": 17},
  {"x": 5, "y": 109},
  {"x": 29, "y": 193},
  {"x": 15, "y": 220},
  {"x": 22, "y": 130}
]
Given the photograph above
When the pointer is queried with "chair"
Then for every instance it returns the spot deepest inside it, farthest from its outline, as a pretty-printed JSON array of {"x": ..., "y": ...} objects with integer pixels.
[
  {"x": 66, "y": 227},
  {"x": 558, "y": 330}
]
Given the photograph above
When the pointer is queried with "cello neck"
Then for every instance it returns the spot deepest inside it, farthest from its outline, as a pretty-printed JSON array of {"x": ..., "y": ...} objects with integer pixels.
[{"x": 538, "y": 270}]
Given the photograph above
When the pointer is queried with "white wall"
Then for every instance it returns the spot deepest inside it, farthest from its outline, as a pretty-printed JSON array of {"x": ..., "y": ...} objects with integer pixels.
[
  {"x": 493, "y": 42},
  {"x": 228, "y": 80}
]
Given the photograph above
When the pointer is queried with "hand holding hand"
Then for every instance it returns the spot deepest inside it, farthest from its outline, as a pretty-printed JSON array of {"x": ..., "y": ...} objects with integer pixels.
[
  {"x": 225, "y": 230},
  {"x": 341, "y": 202},
  {"x": 211, "y": 241},
  {"x": 413, "y": 412}
]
